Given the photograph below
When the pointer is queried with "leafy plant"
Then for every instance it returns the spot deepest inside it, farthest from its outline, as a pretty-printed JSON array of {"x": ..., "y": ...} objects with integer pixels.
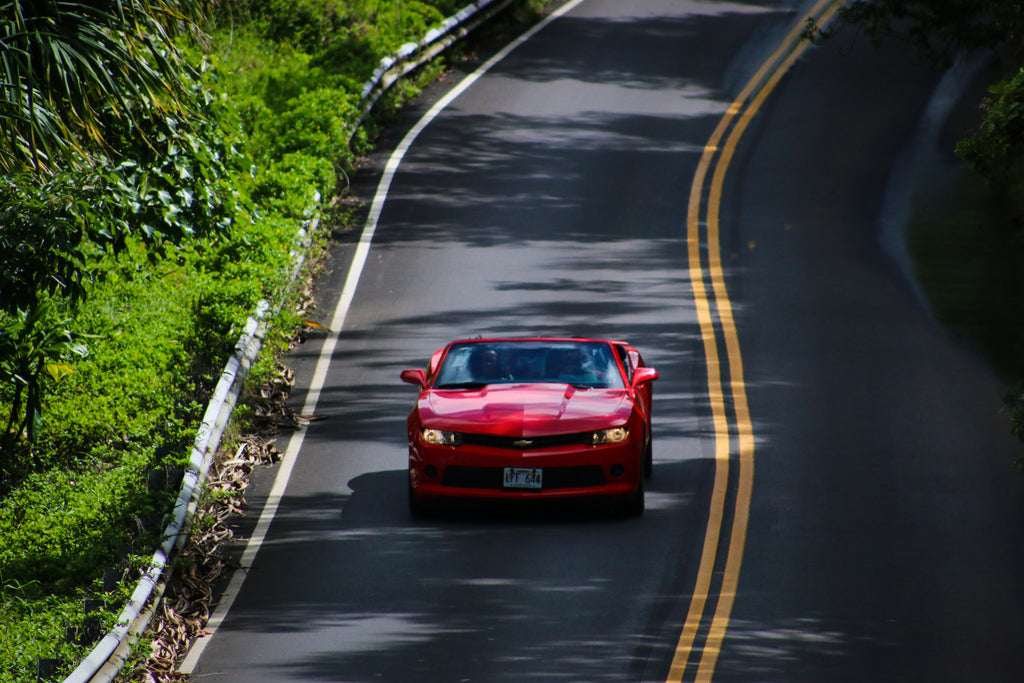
[
  {"x": 293, "y": 186},
  {"x": 996, "y": 149},
  {"x": 307, "y": 24},
  {"x": 64, "y": 64},
  {"x": 176, "y": 181},
  {"x": 41, "y": 243},
  {"x": 31, "y": 350}
]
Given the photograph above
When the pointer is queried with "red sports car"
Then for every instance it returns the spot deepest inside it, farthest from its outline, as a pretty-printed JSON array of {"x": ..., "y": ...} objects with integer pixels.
[{"x": 531, "y": 419}]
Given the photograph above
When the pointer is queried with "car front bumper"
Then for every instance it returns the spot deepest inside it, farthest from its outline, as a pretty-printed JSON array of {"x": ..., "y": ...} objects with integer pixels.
[{"x": 614, "y": 470}]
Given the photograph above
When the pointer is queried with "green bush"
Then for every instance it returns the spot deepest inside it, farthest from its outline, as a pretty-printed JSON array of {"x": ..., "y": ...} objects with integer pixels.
[
  {"x": 313, "y": 25},
  {"x": 395, "y": 23},
  {"x": 996, "y": 149},
  {"x": 317, "y": 123},
  {"x": 352, "y": 55},
  {"x": 291, "y": 186},
  {"x": 307, "y": 24}
]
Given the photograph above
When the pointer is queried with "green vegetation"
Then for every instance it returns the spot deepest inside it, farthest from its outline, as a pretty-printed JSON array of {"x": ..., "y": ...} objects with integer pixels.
[{"x": 158, "y": 160}]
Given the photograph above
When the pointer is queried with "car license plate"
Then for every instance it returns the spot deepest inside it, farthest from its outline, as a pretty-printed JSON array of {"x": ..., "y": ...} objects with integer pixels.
[{"x": 523, "y": 478}]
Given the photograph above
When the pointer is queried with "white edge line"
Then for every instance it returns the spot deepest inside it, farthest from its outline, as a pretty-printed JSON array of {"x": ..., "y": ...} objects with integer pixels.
[{"x": 331, "y": 342}]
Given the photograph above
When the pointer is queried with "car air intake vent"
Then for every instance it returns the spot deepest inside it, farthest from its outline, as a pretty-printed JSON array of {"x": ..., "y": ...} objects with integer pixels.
[{"x": 520, "y": 443}]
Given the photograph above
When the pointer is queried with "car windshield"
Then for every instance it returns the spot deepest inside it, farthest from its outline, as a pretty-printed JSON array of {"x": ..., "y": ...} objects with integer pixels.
[{"x": 585, "y": 365}]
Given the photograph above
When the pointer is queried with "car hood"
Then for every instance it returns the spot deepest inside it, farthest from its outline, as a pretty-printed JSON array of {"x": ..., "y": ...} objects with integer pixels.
[{"x": 525, "y": 409}]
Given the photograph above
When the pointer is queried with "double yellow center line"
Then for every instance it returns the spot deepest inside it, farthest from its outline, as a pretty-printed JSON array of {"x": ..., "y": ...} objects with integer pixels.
[{"x": 715, "y": 591}]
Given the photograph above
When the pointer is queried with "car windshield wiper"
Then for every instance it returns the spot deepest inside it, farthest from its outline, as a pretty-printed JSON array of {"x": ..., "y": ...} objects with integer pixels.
[{"x": 462, "y": 385}]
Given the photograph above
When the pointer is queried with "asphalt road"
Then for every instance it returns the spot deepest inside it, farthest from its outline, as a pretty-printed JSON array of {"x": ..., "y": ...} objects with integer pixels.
[{"x": 551, "y": 197}]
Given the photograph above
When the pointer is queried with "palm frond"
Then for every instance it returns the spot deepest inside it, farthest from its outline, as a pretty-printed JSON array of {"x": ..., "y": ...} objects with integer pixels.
[{"x": 68, "y": 66}]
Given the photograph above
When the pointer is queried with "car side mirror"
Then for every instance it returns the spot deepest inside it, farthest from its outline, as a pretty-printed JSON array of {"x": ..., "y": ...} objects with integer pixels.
[
  {"x": 416, "y": 376},
  {"x": 644, "y": 375}
]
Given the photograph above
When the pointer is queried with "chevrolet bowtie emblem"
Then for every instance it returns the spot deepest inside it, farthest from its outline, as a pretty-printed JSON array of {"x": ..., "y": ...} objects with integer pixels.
[{"x": 522, "y": 443}]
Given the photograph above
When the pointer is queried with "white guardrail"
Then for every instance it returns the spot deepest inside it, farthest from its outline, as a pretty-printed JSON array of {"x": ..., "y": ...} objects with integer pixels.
[{"x": 109, "y": 655}]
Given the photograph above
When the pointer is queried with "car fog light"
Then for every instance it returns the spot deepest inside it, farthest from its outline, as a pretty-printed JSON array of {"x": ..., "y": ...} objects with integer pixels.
[
  {"x": 618, "y": 470},
  {"x": 430, "y": 471}
]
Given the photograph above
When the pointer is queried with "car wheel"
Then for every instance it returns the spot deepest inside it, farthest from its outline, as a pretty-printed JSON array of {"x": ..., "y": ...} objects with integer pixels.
[{"x": 649, "y": 458}]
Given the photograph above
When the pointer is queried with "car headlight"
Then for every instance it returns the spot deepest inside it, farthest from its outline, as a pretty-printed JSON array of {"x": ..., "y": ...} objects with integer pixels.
[
  {"x": 440, "y": 437},
  {"x": 615, "y": 435}
]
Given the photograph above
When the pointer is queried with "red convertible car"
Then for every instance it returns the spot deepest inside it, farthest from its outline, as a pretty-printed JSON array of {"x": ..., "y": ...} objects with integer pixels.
[{"x": 531, "y": 419}]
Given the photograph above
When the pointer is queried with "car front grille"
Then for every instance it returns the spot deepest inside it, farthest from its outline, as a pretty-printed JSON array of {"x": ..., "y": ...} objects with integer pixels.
[
  {"x": 580, "y": 476},
  {"x": 520, "y": 443}
]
